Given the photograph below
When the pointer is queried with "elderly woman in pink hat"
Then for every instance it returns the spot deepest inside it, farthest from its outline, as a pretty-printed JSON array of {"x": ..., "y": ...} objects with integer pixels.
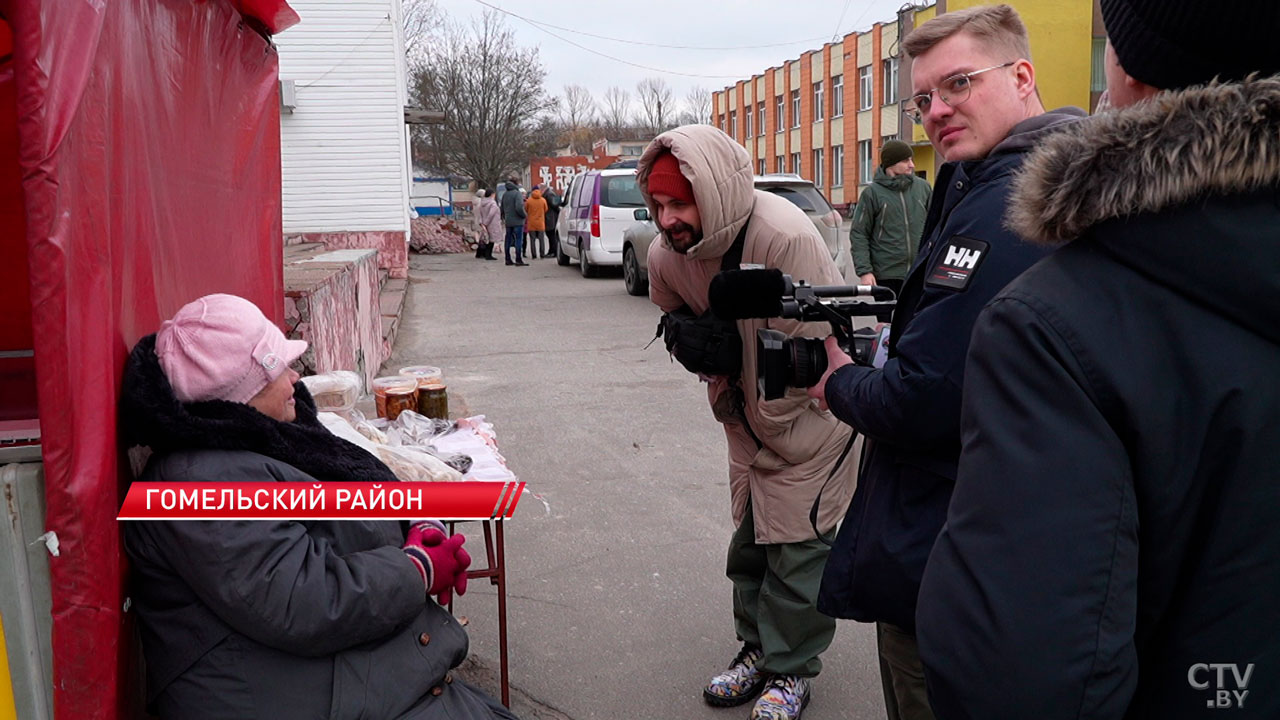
[{"x": 277, "y": 619}]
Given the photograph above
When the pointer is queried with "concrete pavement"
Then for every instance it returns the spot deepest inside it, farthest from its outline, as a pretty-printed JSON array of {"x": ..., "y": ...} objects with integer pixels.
[{"x": 618, "y": 603}]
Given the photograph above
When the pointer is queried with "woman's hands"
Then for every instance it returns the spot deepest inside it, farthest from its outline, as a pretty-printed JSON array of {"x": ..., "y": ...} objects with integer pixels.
[{"x": 441, "y": 560}]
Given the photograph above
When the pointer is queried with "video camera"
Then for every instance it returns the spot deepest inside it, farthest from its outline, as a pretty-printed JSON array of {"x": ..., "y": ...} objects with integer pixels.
[{"x": 781, "y": 361}]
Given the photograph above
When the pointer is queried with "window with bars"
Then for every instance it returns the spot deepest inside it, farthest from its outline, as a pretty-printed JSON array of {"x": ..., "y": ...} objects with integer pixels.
[
  {"x": 819, "y": 105},
  {"x": 864, "y": 87},
  {"x": 890, "y": 69},
  {"x": 837, "y": 165},
  {"x": 837, "y": 96}
]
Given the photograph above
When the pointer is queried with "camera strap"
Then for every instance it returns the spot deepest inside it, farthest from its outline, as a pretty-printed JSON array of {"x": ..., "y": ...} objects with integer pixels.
[{"x": 813, "y": 511}]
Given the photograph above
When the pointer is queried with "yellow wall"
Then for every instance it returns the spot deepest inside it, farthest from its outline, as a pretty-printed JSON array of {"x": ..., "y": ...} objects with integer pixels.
[
  {"x": 1061, "y": 34},
  {"x": 7, "y": 709}
]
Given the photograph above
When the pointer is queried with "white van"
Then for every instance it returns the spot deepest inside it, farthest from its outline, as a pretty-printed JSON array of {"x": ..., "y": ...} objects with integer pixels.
[{"x": 599, "y": 207}]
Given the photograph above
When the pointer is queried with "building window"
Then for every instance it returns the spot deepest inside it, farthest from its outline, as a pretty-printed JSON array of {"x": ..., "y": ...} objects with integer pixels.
[
  {"x": 720, "y": 122},
  {"x": 746, "y": 123},
  {"x": 778, "y": 165},
  {"x": 818, "y": 165},
  {"x": 778, "y": 121},
  {"x": 795, "y": 163},
  {"x": 733, "y": 123},
  {"x": 1097, "y": 68},
  {"x": 864, "y": 162},
  {"x": 633, "y": 150},
  {"x": 837, "y": 165},
  {"x": 890, "y": 68},
  {"x": 819, "y": 105},
  {"x": 761, "y": 168},
  {"x": 837, "y": 96},
  {"x": 795, "y": 108},
  {"x": 760, "y": 112},
  {"x": 864, "y": 87}
]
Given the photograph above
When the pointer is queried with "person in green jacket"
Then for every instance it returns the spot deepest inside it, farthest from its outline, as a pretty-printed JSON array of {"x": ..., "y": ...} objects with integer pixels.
[{"x": 889, "y": 219}]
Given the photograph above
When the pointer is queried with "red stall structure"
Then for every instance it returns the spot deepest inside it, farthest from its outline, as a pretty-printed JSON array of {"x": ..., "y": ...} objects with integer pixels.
[{"x": 139, "y": 169}]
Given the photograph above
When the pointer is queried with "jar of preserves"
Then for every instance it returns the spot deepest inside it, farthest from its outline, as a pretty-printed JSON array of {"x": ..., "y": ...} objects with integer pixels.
[
  {"x": 394, "y": 394},
  {"x": 433, "y": 401}
]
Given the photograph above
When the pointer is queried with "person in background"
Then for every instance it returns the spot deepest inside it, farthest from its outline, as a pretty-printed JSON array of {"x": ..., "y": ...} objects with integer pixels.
[
  {"x": 277, "y": 618},
  {"x": 554, "y": 203},
  {"x": 489, "y": 218},
  {"x": 974, "y": 90},
  {"x": 535, "y": 209},
  {"x": 513, "y": 216},
  {"x": 889, "y": 220},
  {"x": 1112, "y": 549}
]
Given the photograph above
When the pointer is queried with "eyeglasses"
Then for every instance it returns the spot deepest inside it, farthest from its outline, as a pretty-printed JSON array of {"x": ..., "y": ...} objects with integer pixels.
[{"x": 953, "y": 91}]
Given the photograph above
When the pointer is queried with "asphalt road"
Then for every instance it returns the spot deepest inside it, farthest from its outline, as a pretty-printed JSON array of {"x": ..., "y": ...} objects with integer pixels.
[{"x": 619, "y": 607}]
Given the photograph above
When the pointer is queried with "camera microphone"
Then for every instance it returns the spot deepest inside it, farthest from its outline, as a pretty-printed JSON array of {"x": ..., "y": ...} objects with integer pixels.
[{"x": 741, "y": 294}]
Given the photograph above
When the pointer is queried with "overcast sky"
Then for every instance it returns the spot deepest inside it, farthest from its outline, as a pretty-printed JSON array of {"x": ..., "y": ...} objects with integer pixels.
[{"x": 800, "y": 24}]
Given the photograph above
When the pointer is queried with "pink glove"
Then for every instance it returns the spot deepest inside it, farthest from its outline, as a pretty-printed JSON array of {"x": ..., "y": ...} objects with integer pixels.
[{"x": 441, "y": 561}]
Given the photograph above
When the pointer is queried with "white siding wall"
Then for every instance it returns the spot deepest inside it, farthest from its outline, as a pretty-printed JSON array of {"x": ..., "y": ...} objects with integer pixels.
[{"x": 344, "y": 148}]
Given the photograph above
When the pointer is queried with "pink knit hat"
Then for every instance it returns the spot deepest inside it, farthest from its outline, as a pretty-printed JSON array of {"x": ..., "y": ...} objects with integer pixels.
[{"x": 221, "y": 347}]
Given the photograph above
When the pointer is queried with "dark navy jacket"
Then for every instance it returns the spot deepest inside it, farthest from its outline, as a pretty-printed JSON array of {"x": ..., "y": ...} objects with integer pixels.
[{"x": 909, "y": 410}]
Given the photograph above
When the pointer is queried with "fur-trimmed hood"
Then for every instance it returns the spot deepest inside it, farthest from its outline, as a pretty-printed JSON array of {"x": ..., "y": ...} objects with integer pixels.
[{"x": 1174, "y": 149}]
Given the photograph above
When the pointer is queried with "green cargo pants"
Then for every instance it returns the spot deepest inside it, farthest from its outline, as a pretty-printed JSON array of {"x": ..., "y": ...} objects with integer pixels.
[{"x": 775, "y": 592}]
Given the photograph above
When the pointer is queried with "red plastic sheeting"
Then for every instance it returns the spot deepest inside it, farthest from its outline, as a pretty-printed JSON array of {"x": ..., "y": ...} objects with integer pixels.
[{"x": 149, "y": 142}]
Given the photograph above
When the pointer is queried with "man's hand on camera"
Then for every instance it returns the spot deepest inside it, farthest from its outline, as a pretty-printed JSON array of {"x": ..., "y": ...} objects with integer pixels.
[{"x": 836, "y": 359}]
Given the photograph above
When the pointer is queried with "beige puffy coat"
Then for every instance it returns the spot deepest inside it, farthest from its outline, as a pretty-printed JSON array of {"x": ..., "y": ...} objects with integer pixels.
[{"x": 801, "y": 442}]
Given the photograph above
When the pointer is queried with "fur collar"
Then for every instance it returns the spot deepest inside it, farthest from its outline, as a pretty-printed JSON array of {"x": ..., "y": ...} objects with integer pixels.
[
  {"x": 151, "y": 416},
  {"x": 1219, "y": 139}
]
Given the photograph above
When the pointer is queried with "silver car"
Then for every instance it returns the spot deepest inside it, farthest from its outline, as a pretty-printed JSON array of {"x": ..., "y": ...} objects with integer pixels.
[{"x": 801, "y": 192}]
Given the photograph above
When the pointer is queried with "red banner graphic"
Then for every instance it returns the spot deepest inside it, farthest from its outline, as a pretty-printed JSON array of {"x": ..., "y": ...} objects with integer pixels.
[{"x": 320, "y": 501}]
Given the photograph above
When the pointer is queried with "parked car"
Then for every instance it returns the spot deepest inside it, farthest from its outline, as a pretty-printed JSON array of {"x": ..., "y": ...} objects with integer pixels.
[
  {"x": 599, "y": 206},
  {"x": 801, "y": 192}
]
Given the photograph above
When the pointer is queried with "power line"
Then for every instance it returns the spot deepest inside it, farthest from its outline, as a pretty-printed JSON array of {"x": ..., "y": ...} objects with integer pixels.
[
  {"x": 610, "y": 57},
  {"x": 836, "y": 36},
  {"x": 650, "y": 44}
]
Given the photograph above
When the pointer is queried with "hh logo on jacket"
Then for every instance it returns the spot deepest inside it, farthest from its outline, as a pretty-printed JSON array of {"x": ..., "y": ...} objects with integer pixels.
[{"x": 959, "y": 261}]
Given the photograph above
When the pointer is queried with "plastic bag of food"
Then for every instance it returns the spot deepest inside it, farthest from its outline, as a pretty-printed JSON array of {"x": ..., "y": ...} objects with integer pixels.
[
  {"x": 335, "y": 391},
  {"x": 412, "y": 464}
]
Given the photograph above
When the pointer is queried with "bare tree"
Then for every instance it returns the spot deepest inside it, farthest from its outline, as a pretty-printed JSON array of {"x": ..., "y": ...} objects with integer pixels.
[
  {"x": 490, "y": 90},
  {"x": 422, "y": 19},
  {"x": 576, "y": 111},
  {"x": 697, "y": 105},
  {"x": 617, "y": 110},
  {"x": 655, "y": 104}
]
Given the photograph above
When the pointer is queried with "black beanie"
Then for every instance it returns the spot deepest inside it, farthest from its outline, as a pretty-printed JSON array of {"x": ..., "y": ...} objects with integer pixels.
[
  {"x": 894, "y": 152},
  {"x": 1171, "y": 44}
]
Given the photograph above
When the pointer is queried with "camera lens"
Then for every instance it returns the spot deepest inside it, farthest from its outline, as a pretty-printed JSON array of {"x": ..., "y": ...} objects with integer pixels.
[{"x": 808, "y": 360}]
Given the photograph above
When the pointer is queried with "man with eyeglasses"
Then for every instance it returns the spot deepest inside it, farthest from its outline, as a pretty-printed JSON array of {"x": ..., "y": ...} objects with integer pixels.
[{"x": 975, "y": 93}]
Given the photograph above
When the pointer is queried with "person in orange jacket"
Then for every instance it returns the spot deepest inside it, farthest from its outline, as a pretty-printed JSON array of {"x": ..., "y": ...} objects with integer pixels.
[{"x": 536, "y": 223}]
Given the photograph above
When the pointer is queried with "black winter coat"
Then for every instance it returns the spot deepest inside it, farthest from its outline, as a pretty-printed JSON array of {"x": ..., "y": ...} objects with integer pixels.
[
  {"x": 1112, "y": 549},
  {"x": 909, "y": 410},
  {"x": 270, "y": 619}
]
